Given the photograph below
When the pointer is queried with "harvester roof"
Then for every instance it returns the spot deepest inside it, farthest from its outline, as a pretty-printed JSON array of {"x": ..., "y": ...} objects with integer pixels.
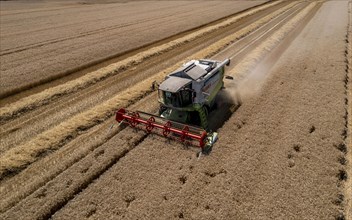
[
  {"x": 173, "y": 84},
  {"x": 193, "y": 70},
  {"x": 189, "y": 72}
]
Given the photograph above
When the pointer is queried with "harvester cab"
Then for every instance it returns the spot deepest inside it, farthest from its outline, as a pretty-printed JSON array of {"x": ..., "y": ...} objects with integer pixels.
[{"x": 186, "y": 97}]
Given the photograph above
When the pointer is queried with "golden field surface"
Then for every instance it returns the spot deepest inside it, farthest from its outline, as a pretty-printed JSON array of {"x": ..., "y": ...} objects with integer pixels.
[{"x": 284, "y": 121}]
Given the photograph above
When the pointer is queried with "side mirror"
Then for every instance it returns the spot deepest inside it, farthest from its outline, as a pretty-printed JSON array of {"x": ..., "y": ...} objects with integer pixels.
[
  {"x": 155, "y": 85},
  {"x": 229, "y": 77},
  {"x": 206, "y": 94}
]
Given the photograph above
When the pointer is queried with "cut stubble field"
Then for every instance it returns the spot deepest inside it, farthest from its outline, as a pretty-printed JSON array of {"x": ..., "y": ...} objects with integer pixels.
[
  {"x": 279, "y": 156},
  {"x": 283, "y": 154},
  {"x": 19, "y": 156},
  {"x": 38, "y": 46}
]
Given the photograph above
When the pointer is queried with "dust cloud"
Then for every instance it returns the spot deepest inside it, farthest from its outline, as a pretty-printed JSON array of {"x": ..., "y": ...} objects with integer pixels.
[{"x": 243, "y": 87}]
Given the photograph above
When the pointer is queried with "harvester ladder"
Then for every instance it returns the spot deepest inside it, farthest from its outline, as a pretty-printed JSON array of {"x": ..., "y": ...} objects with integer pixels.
[{"x": 203, "y": 118}]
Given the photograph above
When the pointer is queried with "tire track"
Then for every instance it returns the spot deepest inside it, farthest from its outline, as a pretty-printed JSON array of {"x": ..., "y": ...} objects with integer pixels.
[
  {"x": 48, "y": 168},
  {"x": 111, "y": 35},
  {"x": 47, "y": 200},
  {"x": 73, "y": 24},
  {"x": 98, "y": 31},
  {"x": 346, "y": 159}
]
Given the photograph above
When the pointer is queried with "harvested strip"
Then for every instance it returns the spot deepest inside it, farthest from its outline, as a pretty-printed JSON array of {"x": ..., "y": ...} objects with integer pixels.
[
  {"x": 96, "y": 76},
  {"x": 19, "y": 157},
  {"x": 48, "y": 168},
  {"x": 244, "y": 68},
  {"x": 45, "y": 201}
]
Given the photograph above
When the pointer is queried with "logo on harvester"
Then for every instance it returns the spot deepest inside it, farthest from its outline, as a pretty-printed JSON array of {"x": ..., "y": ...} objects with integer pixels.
[{"x": 206, "y": 88}]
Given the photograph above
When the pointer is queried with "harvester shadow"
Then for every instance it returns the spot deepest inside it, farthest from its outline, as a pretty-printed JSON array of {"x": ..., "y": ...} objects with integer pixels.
[{"x": 225, "y": 107}]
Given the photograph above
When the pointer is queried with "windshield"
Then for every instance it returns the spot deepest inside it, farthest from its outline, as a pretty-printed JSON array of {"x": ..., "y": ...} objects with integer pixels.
[
  {"x": 179, "y": 99},
  {"x": 172, "y": 99}
]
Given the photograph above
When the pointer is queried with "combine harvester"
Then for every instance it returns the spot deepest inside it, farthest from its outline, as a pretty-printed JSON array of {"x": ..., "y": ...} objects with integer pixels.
[{"x": 186, "y": 97}]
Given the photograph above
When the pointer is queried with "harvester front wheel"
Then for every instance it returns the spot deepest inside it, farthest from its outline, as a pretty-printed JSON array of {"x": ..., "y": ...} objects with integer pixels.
[{"x": 207, "y": 149}]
